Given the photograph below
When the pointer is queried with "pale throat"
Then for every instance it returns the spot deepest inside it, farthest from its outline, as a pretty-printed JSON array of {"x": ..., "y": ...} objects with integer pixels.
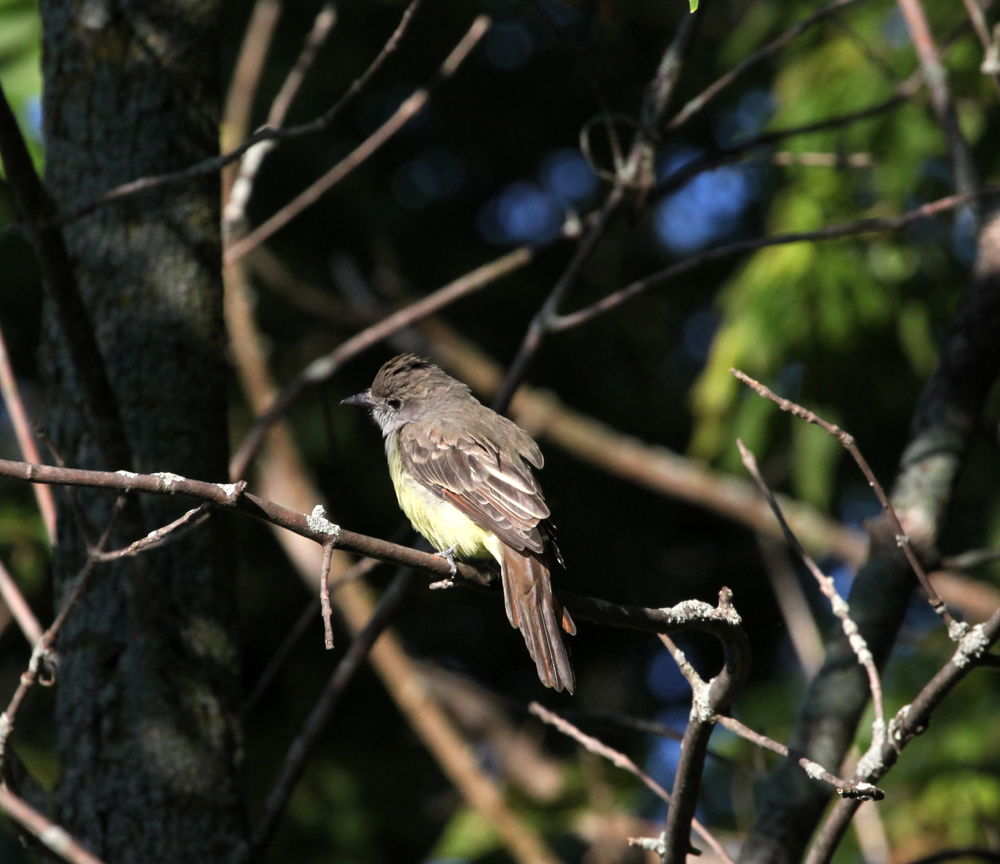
[{"x": 443, "y": 524}]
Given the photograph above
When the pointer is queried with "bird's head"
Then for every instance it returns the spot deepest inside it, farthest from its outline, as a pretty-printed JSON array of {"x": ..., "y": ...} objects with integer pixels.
[{"x": 406, "y": 389}]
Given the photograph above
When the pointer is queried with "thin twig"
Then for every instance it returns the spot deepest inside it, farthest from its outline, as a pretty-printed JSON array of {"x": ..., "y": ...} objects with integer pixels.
[
  {"x": 53, "y": 836},
  {"x": 247, "y": 72},
  {"x": 19, "y": 607},
  {"x": 155, "y": 539},
  {"x": 324, "y": 367},
  {"x": 217, "y": 163},
  {"x": 281, "y": 654},
  {"x": 909, "y": 722},
  {"x": 58, "y": 274},
  {"x": 979, "y": 24},
  {"x": 242, "y": 186},
  {"x": 637, "y": 172},
  {"x": 955, "y": 630},
  {"x": 318, "y": 718},
  {"x": 620, "y": 760},
  {"x": 845, "y": 788},
  {"x": 400, "y": 117},
  {"x": 357, "y": 571},
  {"x": 25, "y": 440},
  {"x": 42, "y": 664},
  {"x": 324, "y": 596},
  {"x": 710, "y": 92},
  {"x": 542, "y": 322},
  {"x": 832, "y": 232},
  {"x": 791, "y": 599},
  {"x": 963, "y": 169},
  {"x": 826, "y": 585}
]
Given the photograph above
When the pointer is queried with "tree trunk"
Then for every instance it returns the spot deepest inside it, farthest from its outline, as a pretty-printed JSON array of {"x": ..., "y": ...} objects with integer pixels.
[{"x": 148, "y": 677}]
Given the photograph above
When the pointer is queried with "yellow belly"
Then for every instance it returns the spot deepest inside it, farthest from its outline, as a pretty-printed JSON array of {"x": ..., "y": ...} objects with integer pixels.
[{"x": 443, "y": 524}]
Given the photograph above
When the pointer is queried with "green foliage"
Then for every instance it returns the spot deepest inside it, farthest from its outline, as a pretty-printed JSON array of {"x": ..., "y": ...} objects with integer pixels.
[
  {"x": 815, "y": 454},
  {"x": 20, "y": 63}
]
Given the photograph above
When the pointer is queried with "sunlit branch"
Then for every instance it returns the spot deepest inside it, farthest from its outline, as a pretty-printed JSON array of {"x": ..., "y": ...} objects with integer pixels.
[
  {"x": 849, "y": 444},
  {"x": 911, "y": 721},
  {"x": 826, "y": 585},
  {"x": 832, "y": 232},
  {"x": 55, "y": 838}
]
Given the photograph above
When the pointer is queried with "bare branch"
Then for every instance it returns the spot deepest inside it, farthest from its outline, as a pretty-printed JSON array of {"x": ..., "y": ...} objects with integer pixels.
[
  {"x": 845, "y": 788},
  {"x": 54, "y": 837},
  {"x": 955, "y": 630},
  {"x": 155, "y": 539},
  {"x": 43, "y": 661},
  {"x": 56, "y": 268},
  {"x": 402, "y": 115},
  {"x": 25, "y": 440},
  {"x": 837, "y": 603},
  {"x": 637, "y": 172},
  {"x": 831, "y": 232},
  {"x": 249, "y": 66},
  {"x": 620, "y": 760},
  {"x": 791, "y": 599},
  {"x": 19, "y": 607},
  {"x": 910, "y": 722},
  {"x": 359, "y": 570},
  {"x": 962, "y": 166},
  {"x": 978, "y": 20},
  {"x": 318, "y": 718},
  {"x": 242, "y": 186},
  {"x": 775, "y": 45}
]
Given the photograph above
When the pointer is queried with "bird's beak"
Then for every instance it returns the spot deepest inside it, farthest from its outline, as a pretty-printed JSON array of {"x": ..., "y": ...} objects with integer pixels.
[{"x": 363, "y": 399}]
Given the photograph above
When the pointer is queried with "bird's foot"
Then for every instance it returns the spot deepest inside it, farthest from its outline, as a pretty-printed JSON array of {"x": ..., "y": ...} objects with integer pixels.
[{"x": 449, "y": 556}]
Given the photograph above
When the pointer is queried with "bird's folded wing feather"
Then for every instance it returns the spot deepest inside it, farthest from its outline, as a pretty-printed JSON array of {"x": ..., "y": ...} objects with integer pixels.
[{"x": 495, "y": 490}]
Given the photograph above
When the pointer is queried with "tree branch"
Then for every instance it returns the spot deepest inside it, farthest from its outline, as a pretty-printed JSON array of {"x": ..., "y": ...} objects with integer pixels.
[
  {"x": 56, "y": 267},
  {"x": 911, "y": 721},
  {"x": 301, "y": 747},
  {"x": 945, "y": 421},
  {"x": 52, "y": 836},
  {"x": 637, "y": 172},
  {"x": 944, "y": 106},
  {"x": 620, "y": 760},
  {"x": 402, "y": 115},
  {"x": 831, "y": 232}
]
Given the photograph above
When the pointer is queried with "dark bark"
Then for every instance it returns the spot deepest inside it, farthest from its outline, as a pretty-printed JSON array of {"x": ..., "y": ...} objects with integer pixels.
[
  {"x": 944, "y": 424},
  {"x": 148, "y": 676}
]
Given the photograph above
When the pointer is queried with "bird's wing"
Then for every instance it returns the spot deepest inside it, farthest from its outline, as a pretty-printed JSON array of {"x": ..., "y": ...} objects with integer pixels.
[{"x": 463, "y": 466}]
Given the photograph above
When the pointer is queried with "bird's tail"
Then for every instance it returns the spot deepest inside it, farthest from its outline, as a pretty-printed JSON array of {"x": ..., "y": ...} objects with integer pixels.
[{"x": 535, "y": 611}]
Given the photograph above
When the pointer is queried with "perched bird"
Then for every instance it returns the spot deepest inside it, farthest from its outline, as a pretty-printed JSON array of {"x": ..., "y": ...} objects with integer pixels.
[{"x": 463, "y": 477}]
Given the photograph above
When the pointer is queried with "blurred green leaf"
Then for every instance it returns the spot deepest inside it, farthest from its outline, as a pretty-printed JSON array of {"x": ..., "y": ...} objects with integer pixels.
[{"x": 815, "y": 455}]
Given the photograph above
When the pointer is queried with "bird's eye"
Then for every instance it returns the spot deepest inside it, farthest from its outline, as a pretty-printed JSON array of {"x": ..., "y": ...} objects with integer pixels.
[{"x": 394, "y": 404}]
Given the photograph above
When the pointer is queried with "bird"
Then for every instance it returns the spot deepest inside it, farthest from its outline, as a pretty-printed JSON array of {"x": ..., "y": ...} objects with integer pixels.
[{"x": 463, "y": 476}]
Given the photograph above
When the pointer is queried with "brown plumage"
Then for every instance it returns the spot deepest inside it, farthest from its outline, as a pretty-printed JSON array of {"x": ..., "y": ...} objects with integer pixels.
[{"x": 463, "y": 476}]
